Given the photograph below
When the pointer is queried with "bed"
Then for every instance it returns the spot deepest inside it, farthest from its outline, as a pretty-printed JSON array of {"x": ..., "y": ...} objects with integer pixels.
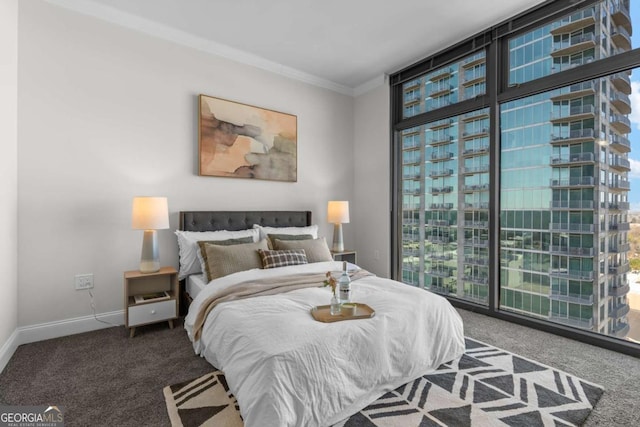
[{"x": 287, "y": 369}]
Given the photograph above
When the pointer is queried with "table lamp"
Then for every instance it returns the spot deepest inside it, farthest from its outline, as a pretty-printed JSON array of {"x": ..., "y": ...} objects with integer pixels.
[
  {"x": 150, "y": 214},
  {"x": 338, "y": 214}
]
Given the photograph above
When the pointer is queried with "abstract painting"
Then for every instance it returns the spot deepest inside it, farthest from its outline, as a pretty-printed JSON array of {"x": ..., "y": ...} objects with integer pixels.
[{"x": 242, "y": 141}]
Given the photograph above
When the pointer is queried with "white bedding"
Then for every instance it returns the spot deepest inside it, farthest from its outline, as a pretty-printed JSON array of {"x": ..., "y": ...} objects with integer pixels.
[
  {"x": 286, "y": 369},
  {"x": 195, "y": 284}
]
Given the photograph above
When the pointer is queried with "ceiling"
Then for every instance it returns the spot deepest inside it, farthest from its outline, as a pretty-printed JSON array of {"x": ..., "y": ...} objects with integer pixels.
[{"x": 344, "y": 45}]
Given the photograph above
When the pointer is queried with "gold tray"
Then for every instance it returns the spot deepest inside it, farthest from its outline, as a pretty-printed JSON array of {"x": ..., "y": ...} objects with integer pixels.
[{"x": 322, "y": 313}]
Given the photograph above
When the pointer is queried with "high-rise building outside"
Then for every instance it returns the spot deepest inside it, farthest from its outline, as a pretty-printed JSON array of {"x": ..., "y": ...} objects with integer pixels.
[{"x": 563, "y": 179}]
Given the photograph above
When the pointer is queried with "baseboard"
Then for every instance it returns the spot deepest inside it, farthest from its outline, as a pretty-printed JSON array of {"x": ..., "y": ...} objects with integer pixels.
[
  {"x": 9, "y": 347},
  {"x": 60, "y": 328},
  {"x": 77, "y": 325}
]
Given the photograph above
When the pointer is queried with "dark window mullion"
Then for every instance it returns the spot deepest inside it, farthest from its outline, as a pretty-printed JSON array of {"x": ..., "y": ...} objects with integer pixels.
[
  {"x": 493, "y": 83},
  {"x": 452, "y": 110}
]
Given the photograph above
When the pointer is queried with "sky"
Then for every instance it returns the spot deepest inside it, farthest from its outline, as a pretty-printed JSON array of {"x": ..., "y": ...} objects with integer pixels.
[{"x": 634, "y": 136}]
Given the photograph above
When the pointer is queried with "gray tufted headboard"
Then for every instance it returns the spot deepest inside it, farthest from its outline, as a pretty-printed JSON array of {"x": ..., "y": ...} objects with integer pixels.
[{"x": 241, "y": 220}]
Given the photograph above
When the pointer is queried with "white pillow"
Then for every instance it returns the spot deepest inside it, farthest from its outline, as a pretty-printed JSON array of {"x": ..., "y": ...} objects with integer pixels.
[
  {"x": 191, "y": 261},
  {"x": 265, "y": 231}
]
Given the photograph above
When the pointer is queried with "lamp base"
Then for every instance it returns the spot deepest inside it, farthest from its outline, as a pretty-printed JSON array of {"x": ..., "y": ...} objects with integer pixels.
[
  {"x": 150, "y": 258},
  {"x": 338, "y": 242}
]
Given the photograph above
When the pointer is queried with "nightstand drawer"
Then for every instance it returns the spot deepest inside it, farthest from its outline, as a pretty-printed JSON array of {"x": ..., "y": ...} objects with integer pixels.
[{"x": 153, "y": 312}]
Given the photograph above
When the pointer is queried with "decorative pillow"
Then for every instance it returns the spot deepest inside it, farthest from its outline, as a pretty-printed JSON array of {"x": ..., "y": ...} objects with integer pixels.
[
  {"x": 265, "y": 231},
  {"x": 225, "y": 260},
  {"x": 273, "y": 237},
  {"x": 316, "y": 249},
  {"x": 202, "y": 254},
  {"x": 189, "y": 250},
  {"x": 272, "y": 259}
]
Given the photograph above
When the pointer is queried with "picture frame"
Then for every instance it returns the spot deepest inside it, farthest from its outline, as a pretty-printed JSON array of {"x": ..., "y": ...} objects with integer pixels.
[{"x": 238, "y": 140}]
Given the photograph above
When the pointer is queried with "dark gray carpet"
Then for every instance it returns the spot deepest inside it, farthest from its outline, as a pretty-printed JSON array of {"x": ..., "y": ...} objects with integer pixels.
[{"x": 103, "y": 378}]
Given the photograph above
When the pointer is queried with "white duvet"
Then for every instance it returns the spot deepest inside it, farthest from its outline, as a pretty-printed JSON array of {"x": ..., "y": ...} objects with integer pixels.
[{"x": 287, "y": 369}]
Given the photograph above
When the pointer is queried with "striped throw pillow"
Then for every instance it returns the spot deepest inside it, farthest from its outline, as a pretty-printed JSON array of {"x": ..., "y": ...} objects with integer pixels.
[{"x": 272, "y": 259}]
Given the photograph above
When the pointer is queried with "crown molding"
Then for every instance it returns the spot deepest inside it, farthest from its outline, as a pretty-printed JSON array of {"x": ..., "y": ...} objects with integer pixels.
[{"x": 146, "y": 26}]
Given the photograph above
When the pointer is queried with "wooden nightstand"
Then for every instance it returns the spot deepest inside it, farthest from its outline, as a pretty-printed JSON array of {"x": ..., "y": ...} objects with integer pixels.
[
  {"x": 153, "y": 311},
  {"x": 349, "y": 256}
]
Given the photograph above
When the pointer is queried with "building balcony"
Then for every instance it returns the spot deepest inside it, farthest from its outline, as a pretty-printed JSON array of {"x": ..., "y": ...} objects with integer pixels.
[
  {"x": 475, "y": 188},
  {"x": 620, "y": 164},
  {"x": 412, "y": 176},
  {"x": 411, "y": 267},
  {"x": 411, "y": 98},
  {"x": 439, "y": 256},
  {"x": 475, "y": 151},
  {"x": 412, "y": 192},
  {"x": 439, "y": 90},
  {"x": 475, "y": 260},
  {"x": 441, "y": 74},
  {"x": 620, "y": 331},
  {"x": 619, "y": 311},
  {"x": 572, "y": 204},
  {"x": 578, "y": 90},
  {"x": 581, "y": 135},
  {"x": 470, "y": 78},
  {"x": 620, "y": 268},
  {"x": 478, "y": 280},
  {"x": 621, "y": 37},
  {"x": 444, "y": 139},
  {"x": 618, "y": 206},
  {"x": 563, "y": 273},
  {"x": 441, "y": 173},
  {"x": 572, "y": 298},
  {"x": 476, "y": 224},
  {"x": 620, "y": 226},
  {"x": 622, "y": 102},
  {"x": 621, "y": 248},
  {"x": 444, "y": 123},
  {"x": 438, "y": 240},
  {"x": 438, "y": 223},
  {"x": 410, "y": 237},
  {"x": 573, "y": 23},
  {"x": 619, "y": 12},
  {"x": 573, "y": 159},
  {"x": 620, "y": 123},
  {"x": 620, "y": 143},
  {"x": 574, "y": 113},
  {"x": 412, "y": 84},
  {"x": 574, "y": 45},
  {"x": 474, "y": 133},
  {"x": 474, "y": 169},
  {"x": 572, "y": 228},
  {"x": 476, "y": 243},
  {"x": 476, "y": 206},
  {"x": 437, "y": 156},
  {"x": 568, "y": 250},
  {"x": 439, "y": 272},
  {"x": 441, "y": 190},
  {"x": 471, "y": 61},
  {"x": 622, "y": 82},
  {"x": 618, "y": 291},
  {"x": 443, "y": 290},
  {"x": 576, "y": 322},
  {"x": 475, "y": 115},
  {"x": 621, "y": 185},
  {"x": 577, "y": 181},
  {"x": 441, "y": 206}
]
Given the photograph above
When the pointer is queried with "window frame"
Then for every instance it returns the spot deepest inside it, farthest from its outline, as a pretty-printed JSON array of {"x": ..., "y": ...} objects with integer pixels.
[{"x": 495, "y": 42}]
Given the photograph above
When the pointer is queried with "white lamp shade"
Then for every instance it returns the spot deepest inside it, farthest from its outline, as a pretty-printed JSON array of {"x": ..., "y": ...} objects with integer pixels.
[
  {"x": 150, "y": 213},
  {"x": 338, "y": 212}
]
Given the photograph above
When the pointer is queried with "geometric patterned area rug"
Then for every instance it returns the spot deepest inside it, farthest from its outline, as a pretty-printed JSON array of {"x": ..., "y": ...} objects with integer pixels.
[{"x": 486, "y": 386}]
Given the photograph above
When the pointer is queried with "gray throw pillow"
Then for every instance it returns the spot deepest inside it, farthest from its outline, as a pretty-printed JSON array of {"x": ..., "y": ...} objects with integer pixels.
[
  {"x": 273, "y": 237},
  {"x": 225, "y": 260},
  {"x": 316, "y": 249},
  {"x": 228, "y": 242}
]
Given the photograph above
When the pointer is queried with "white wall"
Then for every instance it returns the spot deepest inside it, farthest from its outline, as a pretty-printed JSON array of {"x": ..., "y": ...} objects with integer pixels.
[
  {"x": 8, "y": 174},
  {"x": 372, "y": 181},
  {"x": 106, "y": 114}
]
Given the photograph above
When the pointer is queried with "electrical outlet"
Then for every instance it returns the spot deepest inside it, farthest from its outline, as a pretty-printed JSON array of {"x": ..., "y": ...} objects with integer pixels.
[{"x": 84, "y": 281}]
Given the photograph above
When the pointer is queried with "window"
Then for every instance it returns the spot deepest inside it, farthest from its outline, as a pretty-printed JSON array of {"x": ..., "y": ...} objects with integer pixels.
[{"x": 531, "y": 218}]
